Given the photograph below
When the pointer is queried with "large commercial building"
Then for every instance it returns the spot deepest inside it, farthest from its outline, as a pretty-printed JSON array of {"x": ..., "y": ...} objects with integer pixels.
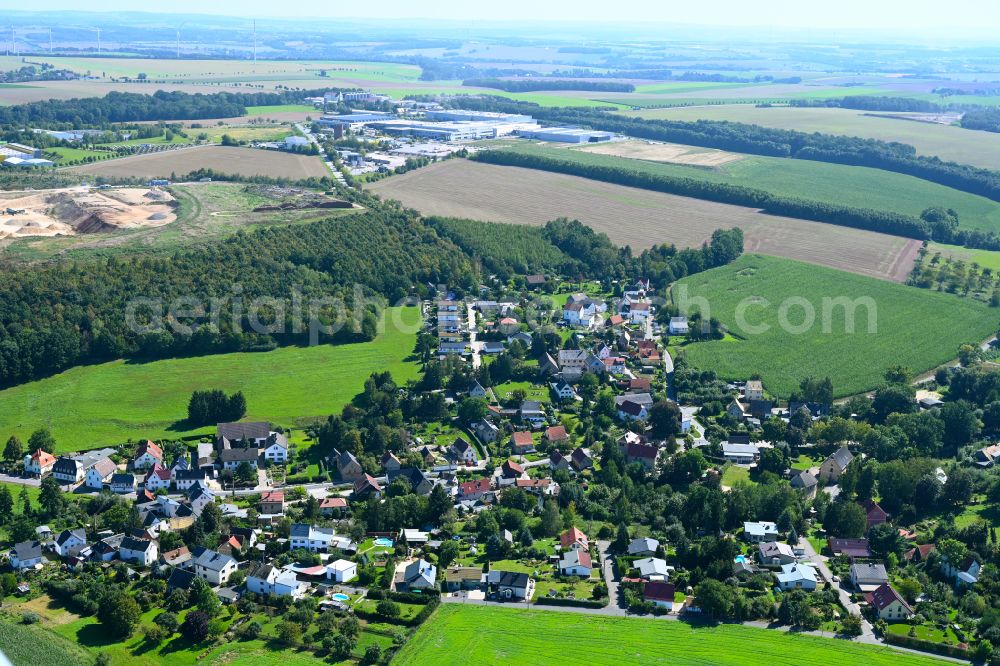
[
  {"x": 353, "y": 121},
  {"x": 567, "y": 135},
  {"x": 485, "y": 116},
  {"x": 445, "y": 131}
]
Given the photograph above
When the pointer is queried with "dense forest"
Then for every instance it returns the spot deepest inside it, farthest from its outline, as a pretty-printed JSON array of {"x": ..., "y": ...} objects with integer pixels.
[
  {"x": 120, "y": 107},
  {"x": 535, "y": 84},
  {"x": 873, "y": 103},
  {"x": 757, "y": 140},
  {"x": 986, "y": 119},
  {"x": 564, "y": 247},
  {"x": 59, "y": 315}
]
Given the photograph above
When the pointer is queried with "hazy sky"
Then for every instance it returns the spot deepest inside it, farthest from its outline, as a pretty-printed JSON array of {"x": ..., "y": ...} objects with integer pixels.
[{"x": 924, "y": 15}]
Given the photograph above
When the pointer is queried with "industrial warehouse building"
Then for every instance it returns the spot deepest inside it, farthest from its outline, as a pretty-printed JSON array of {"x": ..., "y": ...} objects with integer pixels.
[
  {"x": 485, "y": 116},
  {"x": 567, "y": 135}
]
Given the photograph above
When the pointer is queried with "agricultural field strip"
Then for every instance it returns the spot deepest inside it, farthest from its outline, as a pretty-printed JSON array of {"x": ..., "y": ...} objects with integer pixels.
[{"x": 638, "y": 218}]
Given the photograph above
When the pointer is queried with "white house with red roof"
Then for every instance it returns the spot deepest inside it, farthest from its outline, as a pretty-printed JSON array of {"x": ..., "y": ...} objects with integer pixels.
[
  {"x": 574, "y": 539},
  {"x": 147, "y": 455},
  {"x": 158, "y": 478},
  {"x": 576, "y": 563},
  {"x": 39, "y": 463},
  {"x": 889, "y": 604}
]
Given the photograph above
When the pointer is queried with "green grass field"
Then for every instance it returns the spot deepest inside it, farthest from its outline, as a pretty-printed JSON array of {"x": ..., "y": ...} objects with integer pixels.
[
  {"x": 459, "y": 634},
  {"x": 985, "y": 258},
  {"x": 280, "y": 108},
  {"x": 30, "y": 645},
  {"x": 916, "y": 328},
  {"x": 91, "y": 406},
  {"x": 819, "y": 181},
  {"x": 946, "y": 141}
]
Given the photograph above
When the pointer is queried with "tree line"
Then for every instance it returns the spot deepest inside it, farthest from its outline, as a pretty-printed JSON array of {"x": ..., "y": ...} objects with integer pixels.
[{"x": 535, "y": 84}]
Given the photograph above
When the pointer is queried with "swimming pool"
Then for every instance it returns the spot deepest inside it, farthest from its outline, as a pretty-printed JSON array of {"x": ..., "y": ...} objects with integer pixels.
[
  {"x": 341, "y": 597},
  {"x": 741, "y": 558},
  {"x": 383, "y": 542}
]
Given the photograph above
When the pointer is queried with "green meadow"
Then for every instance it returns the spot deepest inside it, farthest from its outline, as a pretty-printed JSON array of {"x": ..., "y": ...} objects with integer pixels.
[
  {"x": 912, "y": 327},
  {"x": 91, "y": 406},
  {"x": 461, "y": 634}
]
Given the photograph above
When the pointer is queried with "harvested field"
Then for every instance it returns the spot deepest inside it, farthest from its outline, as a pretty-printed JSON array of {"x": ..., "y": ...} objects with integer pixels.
[
  {"x": 81, "y": 210},
  {"x": 224, "y": 159},
  {"x": 656, "y": 151},
  {"x": 639, "y": 218}
]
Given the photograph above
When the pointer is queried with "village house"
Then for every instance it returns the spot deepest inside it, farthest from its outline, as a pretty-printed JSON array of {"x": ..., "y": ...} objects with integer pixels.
[
  {"x": 463, "y": 452},
  {"x": 835, "y": 465},
  {"x": 965, "y": 574},
  {"x": 511, "y": 470},
  {"x": 521, "y": 443},
  {"x": 556, "y": 435},
  {"x": 69, "y": 539},
  {"x": 457, "y": 579},
  {"x": 754, "y": 390},
  {"x": 740, "y": 454},
  {"x": 184, "y": 479},
  {"x": 332, "y": 507},
  {"x": 139, "y": 551},
  {"x": 532, "y": 413},
  {"x": 564, "y": 391},
  {"x": 231, "y": 435},
  {"x": 179, "y": 557},
  {"x": 39, "y": 463},
  {"x": 233, "y": 458},
  {"x": 68, "y": 470},
  {"x": 576, "y": 563},
  {"x": 735, "y": 409},
  {"x": 485, "y": 430},
  {"x": 365, "y": 488},
  {"x": 123, "y": 483},
  {"x": 643, "y": 547},
  {"x": 476, "y": 390},
  {"x": 633, "y": 406},
  {"x": 557, "y": 461},
  {"x": 417, "y": 575},
  {"x": 635, "y": 449},
  {"x": 653, "y": 568},
  {"x": 266, "y": 579},
  {"x": 212, "y": 567},
  {"x": 867, "y": 576},
  {"x": 574, "y": 539},
  {"x": 678, "y": 326},
  {"x": 888, "y": 604},
  {"x": 26, "y": 555},
  {"x": 987, "y": 456},
  {"x": 311, "y": 538},
  {"x": 806, "y": 483},
  {"x": 796, "y": 576},
  {"x": 158, "y": 478},
  {"x": 510, "y": 585},
  {"x": 100, "y": 474},
  {"x": 473, "y": 490},
  {"x": 774, "y": 553},
  {"x": 147, "y": 455},
  {"x": 348, "y": 467},
  {"x": 198, "y": 497},
  {"x": 275, "y": 449},
  {"x": 580, "y": 459},
  {"x": 760, "y": 532},
  {"x": 874, "y": 514},
  {"x": 851, "y": 548},
  {"x": 659, "y": 594},
  {"x": 272, "y": 502},
  {"x": 420, "y": 483}
]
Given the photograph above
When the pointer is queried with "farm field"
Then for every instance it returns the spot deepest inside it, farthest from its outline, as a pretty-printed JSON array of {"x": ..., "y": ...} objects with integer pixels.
[
  {"x": 27, "y": 645},
  {"x": 947, "y": 142},
  {"x": 986, "y": 258},
  {"x": 206, "y": 212},
  {"x": 91, "y": 406},
  {"x": 804, "y": 179},
  {"x": 223, "y": 159},
  {"x": 749, "y": 294},
  {"x": 639, "y": 218},
  {"x": 460, "y": 634}
]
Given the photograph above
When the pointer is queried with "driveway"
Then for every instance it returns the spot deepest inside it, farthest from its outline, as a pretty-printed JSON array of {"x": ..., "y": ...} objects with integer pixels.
[
  {"x": 819, "y": 561},
  {"x": 614, "y": 606}
]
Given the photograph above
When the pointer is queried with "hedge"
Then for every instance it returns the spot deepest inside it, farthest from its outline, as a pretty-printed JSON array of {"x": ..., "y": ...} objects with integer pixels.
[
  {"x": 578, "y": 603},
  {"x": 926, "y": 646}
]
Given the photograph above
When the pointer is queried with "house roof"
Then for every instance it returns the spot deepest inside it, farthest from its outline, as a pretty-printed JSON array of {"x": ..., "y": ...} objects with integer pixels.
[
  {"x": 249, "y": 430},
  {"x": 556, "y": 433},
  {"x": 883, "y": 597},
  {"x": 420, "y": 570},
  {"x": 522, "y": 438},
  {"x": 367, "y": 483},
  {"x": 333, "y": 503},
  {"x": 637, "y": 450},
  {"x": 841, "y": 458},
  {"x": 105, "y": 467},
  {"x": 176, "y": 556},
  {"x": 652, "y": 566},
  {"x": 210, "y": 559},
  {"x": 796, "y": 571},
  {"x": 924, "y": 550},
  {"x": 65, "y": 535},
  {"x": 573, "y": 558},
  {"x": 123, "y": 479},
  {"x": 508, "y": 578},
  {"x": 771, "y": 549},
  {"x": 873, "y": 511},
  {"x": 151, "y": 448},
  {"x": 870, "y": 571},
  {"x": 159, "y": 472},
  {"x": 44, "y": 458},
  {"x": 180, "y": 578},
  {"x": 239, "y": 455},
  {"x": 510, "y": 467},
  {"x": 28, "y": 550},
  {"x": 804, "y": 480},
  {"x": 272, "y": 496},
  {"x": 533, "y": 484},
  {"x": 630, "y": 408},
  {"x": 849, "y": 547},
  {"x": 474, "y": 486},
  {"x": 132, "y": 543},
  {"x": 643, "y": 545},
  {"x": 571, "y": 536},
  {"x": 657, "y": 591},
  {"x": 460, "y": 445}
]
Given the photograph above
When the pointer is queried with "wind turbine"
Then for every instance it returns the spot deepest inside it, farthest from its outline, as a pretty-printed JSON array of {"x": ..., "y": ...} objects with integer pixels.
[
  {"x": 50, "y": 41},
  {"x": 179, "y": 39},
  {"x": 254, "y": 41},
  {"x": 13, "y": 41},
  {"x": 98, "y": 31}
]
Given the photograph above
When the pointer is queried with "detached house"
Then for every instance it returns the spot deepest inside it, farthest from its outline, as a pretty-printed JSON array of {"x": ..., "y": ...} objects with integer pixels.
[
  {"x": 874, "y": 514},
  {"x": 509, "y": 585},
  {"x": 576, "y": 563},
  {"x": 574, "y": 539},
  {"x": 100, "y": 474},
  {"x": 867, "y": 576},
  {"x": 147, "y": 455},
  {"x": 233, "y": 458},
  {"x": 580, "y": 459},
  {"x": 212, "y": 567},
  {"x": 68, "y": 470},
  {"x": 184, "y": 479},
  {"x": 659, "y": 594},
  {"x": 556, "y": 435},
  {"x": 271, "y": 581},
  {"x": 417, "y": 575},
  {"x": 140, "y": 551},
  {"x": 474, "y": 489},
  {"x": 272, "y": 502},
  {"x": 348, "y": 467},
  {"x": 889, "y": 604},
  {"x": 678, "y": 326},
  {"x": 521, "y": 443},
  {"x": 835, "y": 465},
  {"x": 760, "y": 532},
  {"x": 39, "y": 463},
  {"x": 69, "y": 539},
  {"x": 463, "y": 452},
  {"x": 26, "y": 555},
  {"x": 796, "y": 576},
  {"x": 158, "y": 478},
  {"x": 275, "y": 448},
  {"x": 123, "y": 483}
]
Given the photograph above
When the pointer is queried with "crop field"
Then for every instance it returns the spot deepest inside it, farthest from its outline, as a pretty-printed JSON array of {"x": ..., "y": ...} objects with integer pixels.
[
  {"x": 91, "y": 406},
  {"x": 639, "y": 218},
  {"x": 893, "y": 324},
  {"x": 946, "y": 141},
  {"x": 223, "y": 159},
  {"x": 672, "y": 153},
  {"x": 805, "y": 179},
  {"x": 461, "y": 634},
  {"x": 29, "y": 645}
]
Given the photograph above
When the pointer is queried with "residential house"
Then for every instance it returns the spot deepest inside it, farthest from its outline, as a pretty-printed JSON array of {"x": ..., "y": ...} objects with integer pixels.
[
  {"x": 348, "y": 467},
  {"x": 107, "y": 548},
  {"x": 639, "y": 311},
  {"x": 521, "y": 443},
  {"x": 332, "y": 507},
  {"x": 867, "y": 576},
  {"x": 965, "y": 574},
  {"x": 889, "y": 604},
  {"x": 740, "y": 454},
  {"x": 184, "y": 479},
  {"x": 754, "y": 390},
  {"x": 140, "y": 551},
  {"x": 774, "y": 553},
  {"x": 919, "y": 553},
  {"x": 68, "y": 470},
  {"x": 576, "y": 563},
  {"x": 659, "y": 594},
  {"x": 643, "y": 547},
  {"x": 556, "y": 435},
  {"x": 417, "y": 575},
  {"x": 233, "y": 458},
  {"x": 272, "y": 502},
  {"x": 69, "y": 539},
  {"x": 311, "y": 538},
  {"x": 198, "y": 497},
  {"x": 507, "y": 326},
  {"x": 633, "y": 406},
  {"x": 178, "y": 557},
  {"x": 365, "y": 488},
  {"x": 457, "y": 579},
  {"x": 581, "y": 460},
  {"x": 531, "y": 412},
  {"x": 510, "y": 585},
  {"x": 558, "y": 461},
  {"x": 474, "y": 489},
  {"x": 835, "y": 465},
  {"x": 987, "y": 456},
  {"x": 805, "y": 482},
  {"x": 735, "y": 409},
  {"x": 390, "y": 462},
  {"x": 341, "y": 571},
  {"x": 269, "y": 580},
  {"x": 485, "y": 431},
  {"x": 253, "y": 433},
  {"x": 678, "y": 326},
  {"x": 180, "y": 579},
  {"x": 463, "y": 452},
  {"x": 39, "y": 463},
  {"x": 874, "y": 514},
  {"x": 123, "y": 483},
  {"x": 213, "y": 567},
  {"x": 575, "y": 539},
  {"x": 100, "y": 474},
  {"x": 796, "y": 576},
  {"x": 158, "y": 478},
  {"x": 275, "y": 448},
  {"x": 760, "y": 532},
  {"x": 852, "y": 548},
  {"x": 760, "y": 409},
  {"x": 636, "y": 450},
  {"x": 652, "y": 568},
  {"x": 26, "y": 555},
  {"x": 147, "y": 455},
  {"x": 419, "y": 482},
  {"x": 511, "y": 470},
  {"x": 547, "y": 365},
  {"x": 180, "y": 463},
  {"x": 541, "y": 488}
]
